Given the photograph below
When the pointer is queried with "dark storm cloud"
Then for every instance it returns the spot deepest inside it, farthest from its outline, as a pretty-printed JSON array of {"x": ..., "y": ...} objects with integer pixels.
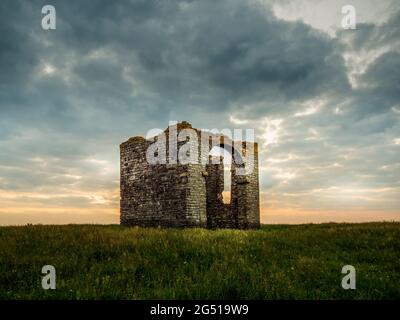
[
  {"x": 378, "y": 91},
  {"x": 384, "y": 74},
  {"x": 189, "y": 52},
  {"x": 374, "y": 36},
  {"x": 18, "y": 48}
]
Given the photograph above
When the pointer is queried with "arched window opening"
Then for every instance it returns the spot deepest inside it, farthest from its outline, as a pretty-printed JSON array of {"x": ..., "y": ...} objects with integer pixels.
[{"x": 218, "y": 151}]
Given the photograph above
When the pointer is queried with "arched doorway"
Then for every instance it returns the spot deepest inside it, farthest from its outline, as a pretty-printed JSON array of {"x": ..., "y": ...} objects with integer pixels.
[
  {"x": 220, "y": 152},
  {"x": 222, "y": 188}
]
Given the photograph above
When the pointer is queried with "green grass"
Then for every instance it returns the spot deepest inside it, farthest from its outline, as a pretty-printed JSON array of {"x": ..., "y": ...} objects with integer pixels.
[{"x": 275, "y": 262}]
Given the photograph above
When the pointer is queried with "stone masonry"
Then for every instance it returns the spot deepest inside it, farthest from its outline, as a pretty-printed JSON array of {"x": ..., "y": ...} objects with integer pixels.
[{"x": 187, "y": 195}]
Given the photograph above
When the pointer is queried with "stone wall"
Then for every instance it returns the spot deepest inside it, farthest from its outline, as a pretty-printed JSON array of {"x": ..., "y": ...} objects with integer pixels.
[
  {"x": 184, "y": 195},
  {"x": 245, "y": 197},
  {"x": 151, "y": 195}
]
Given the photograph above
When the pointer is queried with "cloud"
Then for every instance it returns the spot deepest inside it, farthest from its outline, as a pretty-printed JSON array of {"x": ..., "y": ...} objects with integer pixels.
[{"x": 373, "y": 36}]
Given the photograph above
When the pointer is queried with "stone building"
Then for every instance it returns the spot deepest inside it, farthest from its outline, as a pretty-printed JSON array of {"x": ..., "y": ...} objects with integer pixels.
[{"x": 172, "y": 193}]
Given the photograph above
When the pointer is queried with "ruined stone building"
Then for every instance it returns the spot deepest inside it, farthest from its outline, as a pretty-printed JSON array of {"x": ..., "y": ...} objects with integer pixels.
[{"x": 177, "y": 194}]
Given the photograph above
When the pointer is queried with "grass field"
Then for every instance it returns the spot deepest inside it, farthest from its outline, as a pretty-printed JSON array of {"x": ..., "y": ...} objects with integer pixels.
[{"x": 276, "y": 262}]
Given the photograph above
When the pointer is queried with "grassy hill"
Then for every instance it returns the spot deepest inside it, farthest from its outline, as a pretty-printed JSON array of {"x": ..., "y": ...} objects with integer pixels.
[{"x": 276, "y": 262}]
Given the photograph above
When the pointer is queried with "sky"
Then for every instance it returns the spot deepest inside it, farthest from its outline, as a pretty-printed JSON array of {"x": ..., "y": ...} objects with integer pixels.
[{"x": 324, "y": 101}]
